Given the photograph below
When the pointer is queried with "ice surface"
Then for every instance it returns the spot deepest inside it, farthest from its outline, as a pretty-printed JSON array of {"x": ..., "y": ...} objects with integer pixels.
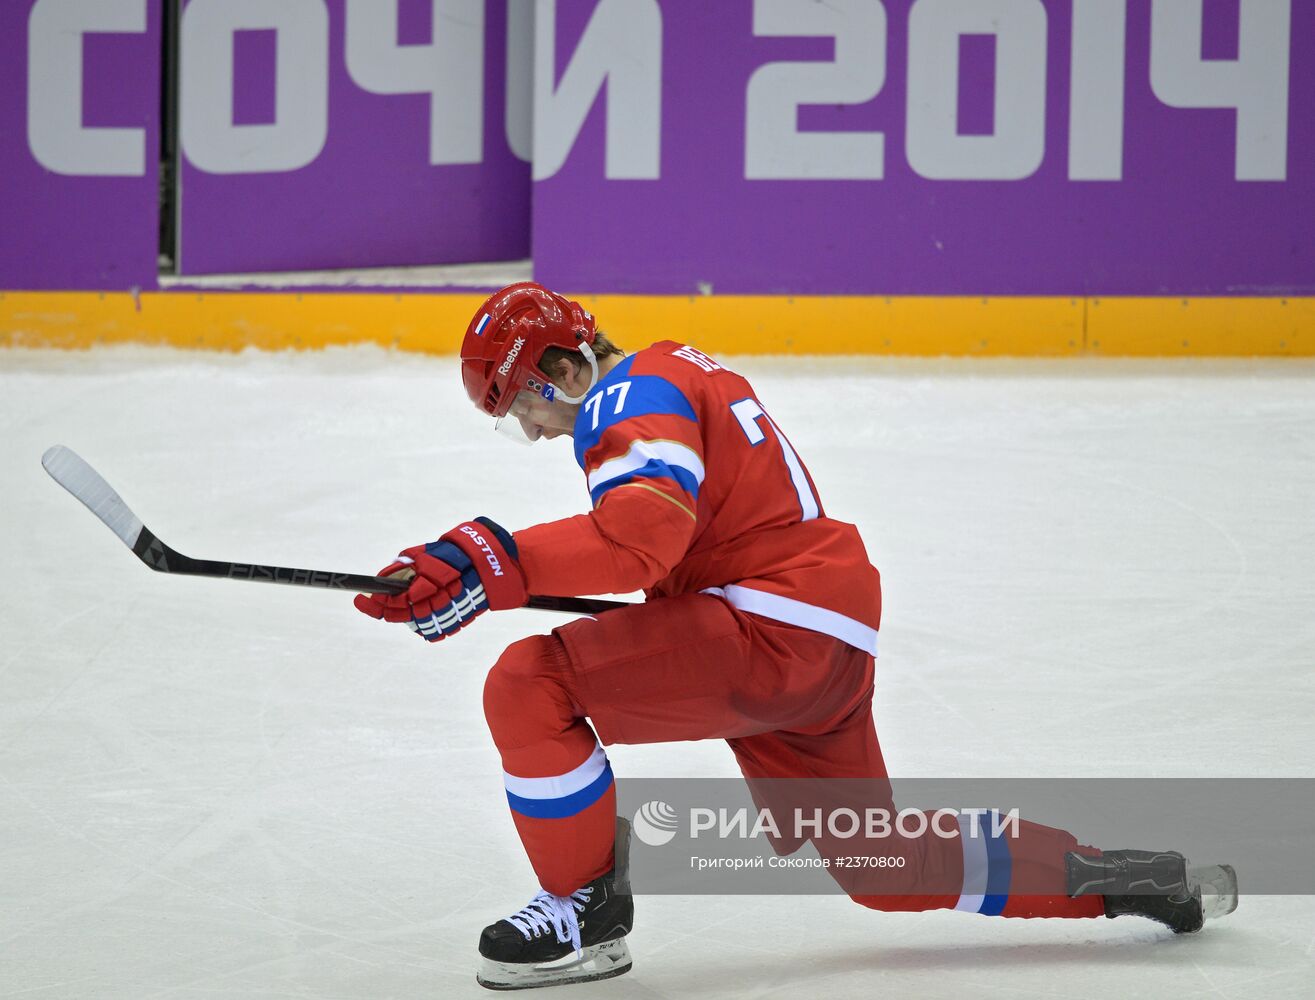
[{"x": 212, "y": 789}]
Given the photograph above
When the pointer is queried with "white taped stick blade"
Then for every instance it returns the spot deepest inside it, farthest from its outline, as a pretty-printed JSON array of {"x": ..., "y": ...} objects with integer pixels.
[{"x": 68, "y": 469}]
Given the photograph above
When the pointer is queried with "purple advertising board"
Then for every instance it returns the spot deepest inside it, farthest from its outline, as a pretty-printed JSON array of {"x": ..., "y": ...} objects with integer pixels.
[
  {"x": 967, "y": 147},
  {"x": 79, "y": 144},
  {"x": 322, "y": 134},
  {"x": 962, "y": 147}
]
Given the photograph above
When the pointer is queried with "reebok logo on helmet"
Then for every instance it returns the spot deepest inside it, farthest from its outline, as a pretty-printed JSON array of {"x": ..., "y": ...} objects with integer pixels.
[{"x": 511, "y": 356}]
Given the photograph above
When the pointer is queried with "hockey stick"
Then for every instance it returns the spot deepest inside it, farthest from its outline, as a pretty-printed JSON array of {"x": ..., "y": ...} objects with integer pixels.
[{"x": 88, "y": 486}]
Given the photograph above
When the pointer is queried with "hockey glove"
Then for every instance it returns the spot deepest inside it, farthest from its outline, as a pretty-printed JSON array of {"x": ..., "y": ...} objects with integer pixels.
[{"x": 468, "y": 571}]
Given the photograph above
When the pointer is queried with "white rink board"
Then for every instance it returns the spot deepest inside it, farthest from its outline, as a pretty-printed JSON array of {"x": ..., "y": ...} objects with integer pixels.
[{"x": 214, "y": 789}]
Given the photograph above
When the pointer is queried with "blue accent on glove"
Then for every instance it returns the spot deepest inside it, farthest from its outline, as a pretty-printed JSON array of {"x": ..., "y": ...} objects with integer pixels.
[{"x": 502, "y": 534}]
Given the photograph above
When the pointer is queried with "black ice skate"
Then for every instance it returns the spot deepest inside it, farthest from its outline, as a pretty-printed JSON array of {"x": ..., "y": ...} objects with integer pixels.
[
  {"x": 1156, "y": 884},
  {"x": 564, "y": 939}
]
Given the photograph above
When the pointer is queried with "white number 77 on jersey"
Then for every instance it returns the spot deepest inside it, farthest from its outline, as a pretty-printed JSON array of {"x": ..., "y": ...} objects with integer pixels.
[
  {"x": 748, "y": 412},
  {"x": 593, "y": 405}
]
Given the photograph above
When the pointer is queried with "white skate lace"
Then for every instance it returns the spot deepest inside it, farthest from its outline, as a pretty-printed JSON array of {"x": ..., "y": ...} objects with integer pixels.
[{"x": 547, "y": 911}]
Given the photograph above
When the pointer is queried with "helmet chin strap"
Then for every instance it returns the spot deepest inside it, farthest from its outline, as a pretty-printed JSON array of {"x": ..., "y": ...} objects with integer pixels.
[{"x": 588, "y": 352}]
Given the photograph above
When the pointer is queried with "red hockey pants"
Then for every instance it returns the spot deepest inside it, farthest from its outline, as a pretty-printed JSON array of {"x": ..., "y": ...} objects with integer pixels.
[{"x": 791, "y": 703}]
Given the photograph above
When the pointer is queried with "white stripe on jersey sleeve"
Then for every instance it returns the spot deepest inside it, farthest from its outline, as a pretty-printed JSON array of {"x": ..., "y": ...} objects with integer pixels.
[{"x": 671, "y": 453}]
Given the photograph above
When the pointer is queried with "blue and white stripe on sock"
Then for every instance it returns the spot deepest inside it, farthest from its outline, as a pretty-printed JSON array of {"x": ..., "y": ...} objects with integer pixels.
[
  {"x": 561, "y": 795},
  {"x": 987, "y": 865}
]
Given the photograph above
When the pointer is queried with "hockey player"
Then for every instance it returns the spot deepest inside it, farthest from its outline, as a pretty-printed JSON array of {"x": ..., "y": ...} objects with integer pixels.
[{"x": 760, "y": 628}]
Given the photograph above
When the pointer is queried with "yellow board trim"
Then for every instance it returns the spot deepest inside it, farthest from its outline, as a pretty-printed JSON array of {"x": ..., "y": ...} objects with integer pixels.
[{"x": 719, "y": 324}]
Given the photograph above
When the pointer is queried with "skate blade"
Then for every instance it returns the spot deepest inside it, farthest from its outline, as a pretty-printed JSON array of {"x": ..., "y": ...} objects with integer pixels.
[
  {"x": 1218, "y": 889},
  {"x": 600, "y": 961}
]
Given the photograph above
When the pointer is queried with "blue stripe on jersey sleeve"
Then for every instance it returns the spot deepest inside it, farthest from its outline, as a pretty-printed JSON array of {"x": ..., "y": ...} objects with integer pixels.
[
  {"x": 653, "y": 468},
  {"x": 646, "y": 395}
]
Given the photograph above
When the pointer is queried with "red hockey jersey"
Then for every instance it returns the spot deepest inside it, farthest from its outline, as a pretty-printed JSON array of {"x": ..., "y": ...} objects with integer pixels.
[{"x": 695, "y": 488}]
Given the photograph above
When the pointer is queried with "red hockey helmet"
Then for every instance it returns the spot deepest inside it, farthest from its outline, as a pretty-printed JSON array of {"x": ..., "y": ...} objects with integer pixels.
[{"x": 507, "y": 337}]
